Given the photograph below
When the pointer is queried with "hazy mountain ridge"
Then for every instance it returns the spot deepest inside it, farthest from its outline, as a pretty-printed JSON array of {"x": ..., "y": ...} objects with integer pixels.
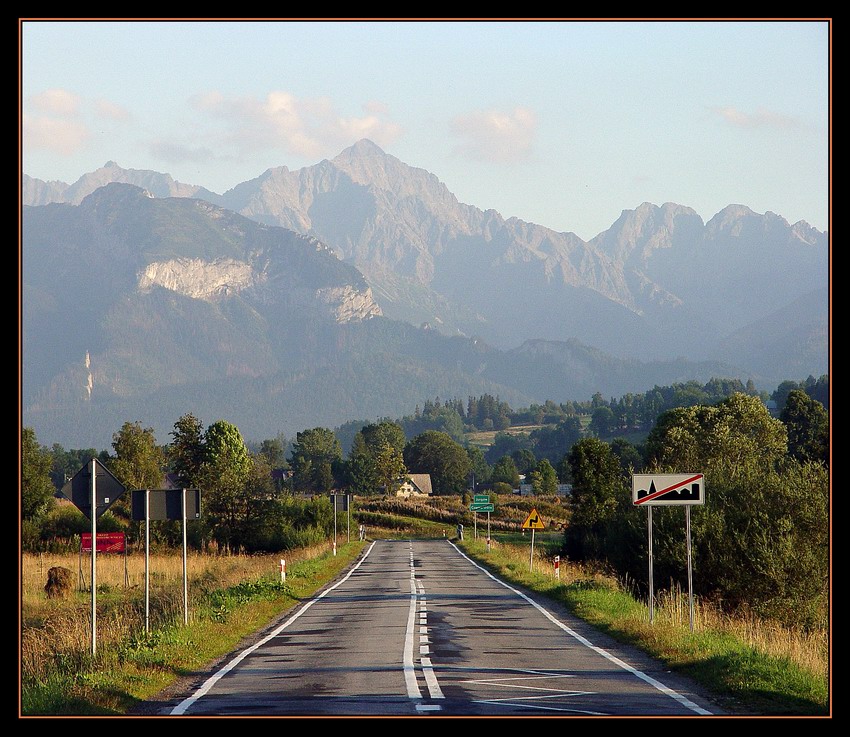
[
  {"x": 134, "y": 286},
  {"x": 136, "y": 307},
  {"x": 659, "y": 283}
]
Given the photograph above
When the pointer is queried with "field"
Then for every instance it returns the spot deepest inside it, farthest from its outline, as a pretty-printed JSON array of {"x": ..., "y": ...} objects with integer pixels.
[{"x": 760, "y": 668}]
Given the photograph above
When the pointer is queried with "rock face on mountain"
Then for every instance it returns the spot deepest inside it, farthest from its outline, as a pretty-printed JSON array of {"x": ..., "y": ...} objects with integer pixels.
[
  {"x": 93, "y": 274},
  {"x": 144, "y": 308},
  {"x": 658, "y": 285}
]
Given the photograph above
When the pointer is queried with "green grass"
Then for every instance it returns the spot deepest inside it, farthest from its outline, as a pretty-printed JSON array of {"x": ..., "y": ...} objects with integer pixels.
[
  {"x": 746, "y": 676},
  {"x": 749, "y": 678},
  {"x": 118, "y": 678}
]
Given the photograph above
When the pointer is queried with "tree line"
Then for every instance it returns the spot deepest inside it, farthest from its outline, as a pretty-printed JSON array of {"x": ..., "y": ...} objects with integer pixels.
[{"x": 762, "y": 538}]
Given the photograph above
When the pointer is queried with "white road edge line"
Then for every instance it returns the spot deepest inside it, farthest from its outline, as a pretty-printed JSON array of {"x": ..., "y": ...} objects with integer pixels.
[
  {"x": 413, "y": 691},
  {"x": 211, "y": 681},
  {"x": 684, "y": 700}
]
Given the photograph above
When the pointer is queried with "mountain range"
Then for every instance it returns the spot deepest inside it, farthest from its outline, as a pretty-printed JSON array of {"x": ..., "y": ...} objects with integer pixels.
[{"x": 359, "y": 287}]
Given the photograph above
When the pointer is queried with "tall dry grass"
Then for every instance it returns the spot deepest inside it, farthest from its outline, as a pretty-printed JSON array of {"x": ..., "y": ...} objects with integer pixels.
[
  {"x": 808, "y": 649},
  {"x": 56, "y": 633}
]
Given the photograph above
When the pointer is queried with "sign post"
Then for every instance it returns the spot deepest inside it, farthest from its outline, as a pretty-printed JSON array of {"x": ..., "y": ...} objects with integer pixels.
[
  {"x": 162, "y": 504},
  {"x": 533, "y": 522},
  {"x": 678, "y": 489},
  {"x": 93, "y": 489},
  {"x": 93, "y": 506},
  {"x": 481, "y": 503}
]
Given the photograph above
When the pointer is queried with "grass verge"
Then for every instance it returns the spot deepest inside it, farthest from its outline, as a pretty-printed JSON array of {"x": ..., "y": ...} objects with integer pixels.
[
  {"x": 762, "y": 669},
  {"x": 61, "y": 677}
]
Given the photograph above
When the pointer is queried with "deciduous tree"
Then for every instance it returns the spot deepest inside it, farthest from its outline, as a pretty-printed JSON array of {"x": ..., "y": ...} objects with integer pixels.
[
  {"x": 435, "y": 453},
  {"x": 36, "y": 487}
]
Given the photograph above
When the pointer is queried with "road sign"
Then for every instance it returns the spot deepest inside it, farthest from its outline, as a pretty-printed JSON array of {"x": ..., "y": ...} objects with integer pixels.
[
  {"x": 108, "y": 489},
  {"x": 481, "y": 499},
  {"x": 533, "y": 522},
  {"x": 166, "y": 504},
  {"x": 340, "y": 502},
  {"x": 481, "y": 508},
  {"x": 668, "y": 489},
  {"x": 107, "y": 542}
]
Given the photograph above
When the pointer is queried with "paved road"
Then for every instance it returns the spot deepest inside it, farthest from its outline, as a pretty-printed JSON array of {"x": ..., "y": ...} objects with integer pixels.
[{"x": 417, "y": 628}]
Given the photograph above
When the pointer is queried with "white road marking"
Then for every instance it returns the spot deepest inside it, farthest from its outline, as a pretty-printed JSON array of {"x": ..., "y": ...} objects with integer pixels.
[
  {"x": 212, "y": 680},
  {"x": 413, "y": 691},
  {"x": 684, "y": 700},
  {"x": 547, "y": 708},
  {"x": 431, "y": 680}
]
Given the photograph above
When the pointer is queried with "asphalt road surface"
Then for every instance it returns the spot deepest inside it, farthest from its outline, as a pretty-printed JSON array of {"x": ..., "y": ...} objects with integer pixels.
[{"x": 416, "y": 628}]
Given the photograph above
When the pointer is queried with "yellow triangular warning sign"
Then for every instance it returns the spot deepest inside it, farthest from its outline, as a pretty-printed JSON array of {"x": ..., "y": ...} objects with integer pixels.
[{"x": 533, "y": 522}]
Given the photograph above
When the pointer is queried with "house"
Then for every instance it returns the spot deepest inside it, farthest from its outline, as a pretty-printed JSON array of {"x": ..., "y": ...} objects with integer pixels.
[{"x": 417, "y": 484}]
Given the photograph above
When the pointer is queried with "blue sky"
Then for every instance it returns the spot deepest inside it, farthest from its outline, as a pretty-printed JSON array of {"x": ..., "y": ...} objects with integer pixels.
[{"x": 561, "y": 123}]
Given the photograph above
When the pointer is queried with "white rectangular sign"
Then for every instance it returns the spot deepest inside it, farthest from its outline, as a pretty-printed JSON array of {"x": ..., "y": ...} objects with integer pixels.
[{"x": 668, "y": 489}]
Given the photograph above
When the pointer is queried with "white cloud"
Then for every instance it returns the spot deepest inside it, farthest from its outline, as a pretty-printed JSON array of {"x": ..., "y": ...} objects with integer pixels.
[
  {"x": 61, "y": 136},
  {"x": 492, "y": 135},
  {"x": 56, "y": 121},
  {"x": 56, "y": 102},
  {"x": 309, "y": 127},
  {"x": 111, "y": 111},
  {"x": 759, "y": 119}
]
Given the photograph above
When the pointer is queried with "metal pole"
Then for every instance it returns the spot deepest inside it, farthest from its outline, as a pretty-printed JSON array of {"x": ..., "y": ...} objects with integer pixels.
[
  {"x": 531, "y": 561},
  {"x": 651, "y": 588},
  {"x": 488, "y": 532},
  {"x": 690, "y": 573},
  {"x": 93, "y": 556},
  {"x": 348, "y": 520},
  {"x": 475, "y": 525},
  {"x": 185, "y": 570},
  {"x": 147, "y": 561},
  {"x": 333, "y": 496}
]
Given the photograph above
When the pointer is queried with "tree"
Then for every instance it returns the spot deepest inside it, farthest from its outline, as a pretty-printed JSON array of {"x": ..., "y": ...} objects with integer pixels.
[
  {"x": 597, "y": 485},
  {"x": 36, "y": 486},
  {"x": 224, "y": 476},
  {"x": 602, "y": 421},
  {"x": 315, "y": 455},
  {"x": 544, "y": 479},
  {"x": 376, "y": 459},
  {"x": 505, "y": 443},
  {"x": 66, "y": 463},
  {"x": 525, "y": 460},
  {"x": 505, "y": 472},
  {"x": 629, "y": 456},
  {"x": 807, "y": 423},
  {"x": 138, "y": 461},
  {"x": 186, "y": 452},
  {"x": 729, "y": 435},
  {"x": 479, "y": 469},
  {"x": 273, "y": 450},
  {"x": 435, "y": 453},
  {"x": 376, "y": 435},
  {"x": 554, "y": 443},
  {"x": 390, "y": 469}
]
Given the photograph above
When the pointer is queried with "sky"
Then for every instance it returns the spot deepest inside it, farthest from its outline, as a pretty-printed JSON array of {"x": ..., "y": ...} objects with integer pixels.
[{"x": 562, "y": 123}]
